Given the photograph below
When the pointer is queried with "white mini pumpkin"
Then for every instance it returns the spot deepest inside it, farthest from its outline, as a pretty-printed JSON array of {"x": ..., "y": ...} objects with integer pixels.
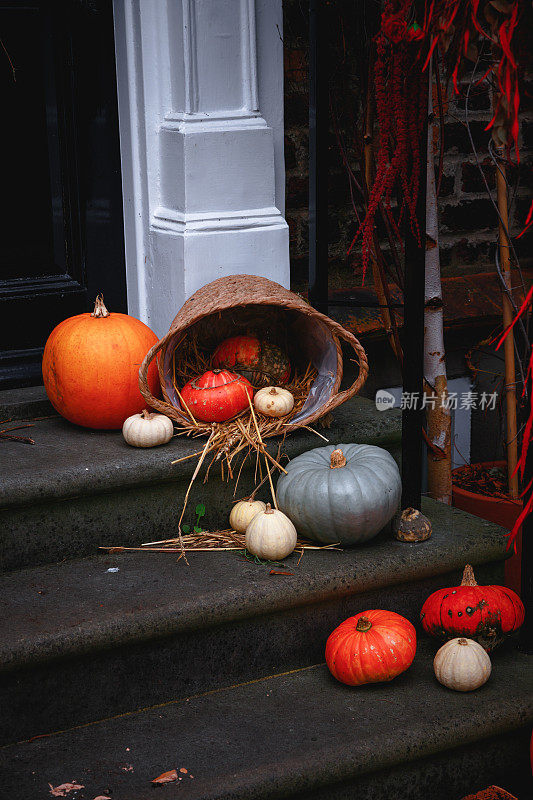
[
  {"x": 243, "y": 513},
  {"x": 270, "y": 535},
  {"x": 462, "y": 664},
  {"x": 345, "y": 494},
  {"x": 147, "y": 429},
  {"x": 272, "y": 401}
]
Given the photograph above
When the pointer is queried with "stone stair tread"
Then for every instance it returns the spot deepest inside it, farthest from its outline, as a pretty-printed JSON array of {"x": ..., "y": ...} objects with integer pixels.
[
  {"x": 69, "y": 461},
  {"x": 290, "y": 733},
  {"x": 72, "y": 607},
  {"x": 22, "y": 403}
]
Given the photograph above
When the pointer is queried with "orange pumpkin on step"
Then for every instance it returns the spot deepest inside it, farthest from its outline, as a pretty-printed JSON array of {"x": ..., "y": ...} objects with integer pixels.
[
  {"x": 371, "y": 647},
  {"x": 91, "y": 367}
]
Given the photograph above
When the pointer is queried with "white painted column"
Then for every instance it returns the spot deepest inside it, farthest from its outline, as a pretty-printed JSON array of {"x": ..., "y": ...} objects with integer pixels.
[{"x": 200, "y": 89}]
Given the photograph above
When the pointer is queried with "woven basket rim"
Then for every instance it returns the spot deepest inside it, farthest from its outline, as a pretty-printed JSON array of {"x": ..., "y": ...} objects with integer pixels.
[{"x": 241, "y": 291}]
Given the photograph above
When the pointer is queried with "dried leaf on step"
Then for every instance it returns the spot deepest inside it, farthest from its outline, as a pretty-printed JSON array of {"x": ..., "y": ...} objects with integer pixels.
[
  {"x": 166, "y": 777},
  {"x": 64, "y": 789},
  {"x": 102, "y": 797}
]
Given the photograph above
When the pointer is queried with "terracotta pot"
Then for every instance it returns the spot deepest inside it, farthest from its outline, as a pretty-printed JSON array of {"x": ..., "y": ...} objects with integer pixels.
[{"x": 502, "y": 512}]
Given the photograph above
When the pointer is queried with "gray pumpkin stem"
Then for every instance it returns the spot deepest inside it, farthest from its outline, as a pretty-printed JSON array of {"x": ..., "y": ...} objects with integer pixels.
[{"x": 337, "y": 459}]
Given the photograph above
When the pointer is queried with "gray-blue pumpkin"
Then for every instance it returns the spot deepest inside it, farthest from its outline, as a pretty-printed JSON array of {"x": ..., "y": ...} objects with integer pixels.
[{"x": 345, "y": 494}]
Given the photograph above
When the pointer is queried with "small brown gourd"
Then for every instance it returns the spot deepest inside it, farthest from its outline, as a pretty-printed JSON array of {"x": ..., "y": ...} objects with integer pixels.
[{"x": 413, "y": 526}]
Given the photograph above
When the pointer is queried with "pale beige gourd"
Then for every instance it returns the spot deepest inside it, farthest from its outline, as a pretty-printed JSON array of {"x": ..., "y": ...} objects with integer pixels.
[
  {"x": 147, "y": 429},
  {"x": 270, "y": 535},
  {"x": 273, "y": 401},
  {"x": 243, "y": 513},
  {"x": 462, "y": 664}
]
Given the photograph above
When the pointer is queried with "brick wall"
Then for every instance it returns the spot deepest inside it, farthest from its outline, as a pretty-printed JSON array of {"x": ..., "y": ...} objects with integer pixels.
[{"x": 467, "y": 218}]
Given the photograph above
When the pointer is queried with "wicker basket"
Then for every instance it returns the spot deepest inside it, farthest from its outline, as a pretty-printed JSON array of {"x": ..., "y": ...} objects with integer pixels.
[{"x": 244, "y": 303}]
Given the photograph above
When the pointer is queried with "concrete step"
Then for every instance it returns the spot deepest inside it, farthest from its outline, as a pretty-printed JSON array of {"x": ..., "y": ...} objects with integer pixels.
[
  {"x": 76, "y": 489},
  {"x": 299, "y": 735},
  {"x": 30, "y": 402},
  {"x": 80, "y": 641}
]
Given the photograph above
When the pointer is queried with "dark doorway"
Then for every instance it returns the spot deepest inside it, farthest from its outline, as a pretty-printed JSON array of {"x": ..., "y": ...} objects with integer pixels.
[{"x": 61, "y": 196}]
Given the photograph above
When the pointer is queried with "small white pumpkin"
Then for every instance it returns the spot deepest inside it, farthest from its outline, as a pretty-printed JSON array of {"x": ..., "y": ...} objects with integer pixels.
[
  {"x": 243, "y": 513},
  {"x": 147, "y": 429},
  {"x": 270, "y": 535},
  {"x": 273, "y": 401},
  {"x": 462, "y": 665}
]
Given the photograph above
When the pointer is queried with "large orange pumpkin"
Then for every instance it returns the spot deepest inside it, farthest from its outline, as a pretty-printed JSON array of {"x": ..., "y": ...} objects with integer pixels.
[{"x": 91, "y": 367}]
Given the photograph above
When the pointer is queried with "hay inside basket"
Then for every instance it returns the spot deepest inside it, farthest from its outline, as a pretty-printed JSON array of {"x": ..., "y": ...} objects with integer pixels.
[{"x": 242, "y": 433}]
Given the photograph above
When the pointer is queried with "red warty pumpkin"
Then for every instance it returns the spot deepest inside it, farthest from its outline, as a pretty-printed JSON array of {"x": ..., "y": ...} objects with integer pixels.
[
  {"x": 217, "y": 396},
  {"x": 261, "y": 363},
  {"x": 372, "y": 647},
  {"x": 484, "y": 613},
  {"x": 91, "y": 367}
]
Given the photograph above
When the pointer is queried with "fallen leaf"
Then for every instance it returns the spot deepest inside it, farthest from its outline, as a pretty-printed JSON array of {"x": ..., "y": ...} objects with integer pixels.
[
  {"x": 102, "y": 797},
  {"x": 166, "y": 777},
  {"x": 64, "y": 789},
  {"x": 280, "y": 572},
  {"x": 183, "y": 769}
]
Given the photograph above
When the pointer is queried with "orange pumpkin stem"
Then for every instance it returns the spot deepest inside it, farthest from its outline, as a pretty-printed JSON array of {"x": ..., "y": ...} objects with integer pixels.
[
  {"x": 337, "y": 459},
  {"x": 468, "y": 577},
  {"x": 363, "y": 624},
  {"x": 99, "y": 308}
]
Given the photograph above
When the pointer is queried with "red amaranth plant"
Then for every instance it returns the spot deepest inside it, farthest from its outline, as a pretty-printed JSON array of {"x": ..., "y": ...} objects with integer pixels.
[
  {"x": 457, "y": 26},
  {"x": 400, "y": 90}
]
